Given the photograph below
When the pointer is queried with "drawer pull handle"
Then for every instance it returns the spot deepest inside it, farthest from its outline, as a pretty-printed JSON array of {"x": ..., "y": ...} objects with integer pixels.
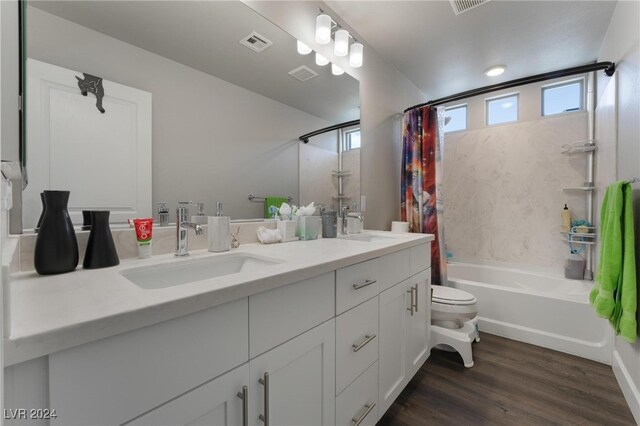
[
  {"x": 265, "y": 383},
  {"x": 367, "y": 338},
  {"x": 411, "y": 303},
  {"x": 245, "y": 405},
  {"x": 364, "y": 284},
  {"x": 368, "y": 407},
  {"x": 416, "y": 301}
]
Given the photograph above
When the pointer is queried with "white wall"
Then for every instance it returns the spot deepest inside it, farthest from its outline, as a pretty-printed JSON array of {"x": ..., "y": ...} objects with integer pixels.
[
  {"x": 503, "y": 184},
  {"x": 211, "y": 140},
  {"x": 622, "y": 45},
  {"x": 384, "y": 94}
]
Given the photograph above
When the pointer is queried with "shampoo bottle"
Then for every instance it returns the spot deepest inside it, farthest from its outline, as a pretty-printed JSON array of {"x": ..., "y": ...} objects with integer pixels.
[
  {"x": 566, "y": 219},
  {"x": 219, "y": 231}
]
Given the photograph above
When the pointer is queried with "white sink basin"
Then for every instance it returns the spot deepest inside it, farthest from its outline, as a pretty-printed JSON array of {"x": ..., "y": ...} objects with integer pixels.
[
  {"x": 369, "y": 238},
  {"x": 188, "y": 271}
]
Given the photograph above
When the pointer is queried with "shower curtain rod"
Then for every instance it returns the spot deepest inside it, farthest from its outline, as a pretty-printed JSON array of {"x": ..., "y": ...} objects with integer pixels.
[
  {"x": 608, "y": 67},
  {"x": 305, "y": 138}
]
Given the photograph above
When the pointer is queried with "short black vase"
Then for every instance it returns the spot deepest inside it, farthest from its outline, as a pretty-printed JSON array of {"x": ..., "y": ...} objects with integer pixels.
[
  {"x": 56, "y": 250},
  {"x": 101, "y": 251}
]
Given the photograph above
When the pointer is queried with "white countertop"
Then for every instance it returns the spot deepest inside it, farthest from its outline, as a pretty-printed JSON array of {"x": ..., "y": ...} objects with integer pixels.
[{"x": 48, "y": 314}]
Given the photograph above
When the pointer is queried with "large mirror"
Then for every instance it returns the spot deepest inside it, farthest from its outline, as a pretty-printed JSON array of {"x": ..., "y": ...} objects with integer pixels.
[{"x": 199, "y": 101}]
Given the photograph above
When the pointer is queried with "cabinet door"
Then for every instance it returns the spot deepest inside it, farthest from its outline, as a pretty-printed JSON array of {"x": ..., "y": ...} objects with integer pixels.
[
  {"x": 394, "y": 320},
  {"x": 294, "y": 383},
  {"x": 418, "y": 325},
  {"x": 218, "y": 402}
]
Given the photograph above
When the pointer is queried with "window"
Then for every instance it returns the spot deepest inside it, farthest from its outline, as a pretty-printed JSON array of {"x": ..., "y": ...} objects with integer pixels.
[
  {"x": 457, "y": 118},
  {"x": 563, "y": 97},
  {"x": 503, "y": 109},
  {"x": 351, "y": 139}
]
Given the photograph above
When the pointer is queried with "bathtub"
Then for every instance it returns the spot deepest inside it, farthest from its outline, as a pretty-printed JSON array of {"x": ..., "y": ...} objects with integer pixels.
[{"x": 535, "y": 308}]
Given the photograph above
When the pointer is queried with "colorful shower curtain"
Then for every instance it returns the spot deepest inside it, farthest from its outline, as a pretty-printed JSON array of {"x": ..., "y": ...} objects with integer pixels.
[{"x": 421, "y": 192}]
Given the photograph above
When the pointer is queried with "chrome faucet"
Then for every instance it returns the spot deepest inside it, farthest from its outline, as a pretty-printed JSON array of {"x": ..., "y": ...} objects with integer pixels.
[
  {"x": 182, "y": 229},
  {"x": 343, "y": 214}
]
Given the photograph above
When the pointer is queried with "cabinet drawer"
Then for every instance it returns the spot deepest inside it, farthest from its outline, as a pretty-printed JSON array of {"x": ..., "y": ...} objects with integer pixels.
[
  {"x": 116, "y": 379},
  {"x": 394, "y": 267},
  {"x": 359, "y": 400},
  {"x": 420, "y": 258},
  {"x": 278, "y": 315},
  {"x": 356, "y": 283},
  {"x": 356, "y": 342}
]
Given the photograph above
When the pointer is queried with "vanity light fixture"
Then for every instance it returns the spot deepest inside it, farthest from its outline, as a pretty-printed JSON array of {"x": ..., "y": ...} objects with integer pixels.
[
  {"x": 355, "y": 57},
  {"x": 336, "y": 70},
  {"x": 495, "y": 70},
  {"x": 321, "y": 60},
  {"x": 341, "y": 46},
  {"x": 323, "y": 28},
  {"x": 303, "y": 49}
]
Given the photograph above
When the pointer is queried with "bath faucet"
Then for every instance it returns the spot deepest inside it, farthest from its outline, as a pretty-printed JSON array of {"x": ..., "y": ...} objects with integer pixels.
[
  {"x": 182, "y": 229},
  {"x": 343, "y": 215}
]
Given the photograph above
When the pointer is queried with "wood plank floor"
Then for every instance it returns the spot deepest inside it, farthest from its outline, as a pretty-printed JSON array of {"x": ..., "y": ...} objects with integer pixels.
[{"x": 511, "y": 383}]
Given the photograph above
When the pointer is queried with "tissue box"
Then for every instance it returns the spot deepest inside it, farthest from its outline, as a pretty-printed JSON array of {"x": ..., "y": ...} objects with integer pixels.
[
  {"x": 288, "y": 230},
  {"x": 309, "y": 227}
]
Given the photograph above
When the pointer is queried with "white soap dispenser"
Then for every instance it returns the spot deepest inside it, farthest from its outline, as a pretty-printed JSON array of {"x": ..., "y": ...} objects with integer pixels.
[{"x": 219, "y": 231}]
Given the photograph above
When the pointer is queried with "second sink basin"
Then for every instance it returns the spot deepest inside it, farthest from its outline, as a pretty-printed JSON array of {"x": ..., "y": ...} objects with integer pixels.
[
  {"x": 370, "y": 238},
  {"x": 188, "y": 271}
]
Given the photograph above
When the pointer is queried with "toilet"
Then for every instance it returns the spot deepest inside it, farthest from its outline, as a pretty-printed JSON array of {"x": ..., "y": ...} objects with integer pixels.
[{"x": 454, "y": 321}]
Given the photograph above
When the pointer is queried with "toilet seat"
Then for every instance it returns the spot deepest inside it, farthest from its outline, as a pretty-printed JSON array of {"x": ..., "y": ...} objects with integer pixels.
[{"x": 452, "y": 296}]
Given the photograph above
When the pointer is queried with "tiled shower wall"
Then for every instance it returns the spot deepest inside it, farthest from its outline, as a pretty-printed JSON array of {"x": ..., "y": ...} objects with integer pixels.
[{"x": 503, "y": 190}]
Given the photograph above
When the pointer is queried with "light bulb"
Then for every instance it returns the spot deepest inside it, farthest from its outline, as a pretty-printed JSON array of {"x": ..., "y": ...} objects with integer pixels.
[
  {"x": 303, "y": 49},
  {"x": 341, "y": 47},
  {"x": 323, "y": 29},
  {"x": 355, "y": 57},
  {"x": 321, "y": 60},
  {"x": 336, "y": 70}
]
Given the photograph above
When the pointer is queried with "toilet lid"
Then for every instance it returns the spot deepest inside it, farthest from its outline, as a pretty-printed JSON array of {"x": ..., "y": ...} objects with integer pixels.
[{"x": 452, "y": 296}]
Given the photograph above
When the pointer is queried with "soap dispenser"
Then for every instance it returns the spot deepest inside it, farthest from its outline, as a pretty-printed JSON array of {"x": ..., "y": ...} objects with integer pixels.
[
  {"x": 219, "y": 231},
  {"x": 163, "y": 213},
  {"x": 566, "y": 219}
]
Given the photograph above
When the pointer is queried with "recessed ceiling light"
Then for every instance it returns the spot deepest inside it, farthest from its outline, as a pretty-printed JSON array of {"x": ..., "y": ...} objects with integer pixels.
[{"x": 495, "y": 70}]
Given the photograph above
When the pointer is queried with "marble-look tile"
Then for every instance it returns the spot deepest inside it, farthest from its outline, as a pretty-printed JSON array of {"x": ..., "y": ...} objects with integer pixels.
[{"x": 503, "y": 190}]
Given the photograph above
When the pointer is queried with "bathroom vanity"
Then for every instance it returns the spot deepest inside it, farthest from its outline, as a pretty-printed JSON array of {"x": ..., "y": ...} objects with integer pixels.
[{"x": 312, "y": 332}]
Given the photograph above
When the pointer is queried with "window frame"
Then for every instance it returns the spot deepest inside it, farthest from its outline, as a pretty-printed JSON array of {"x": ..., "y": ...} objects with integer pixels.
[
  {"x": 583, "y": 95},
  {"x": 346, "y": 139},
  {"x": 466, "y": 117},
  {"x": 495, "y": 98}
]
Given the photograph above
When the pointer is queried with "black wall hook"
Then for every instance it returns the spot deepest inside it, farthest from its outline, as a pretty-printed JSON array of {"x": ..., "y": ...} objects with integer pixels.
[{"x": 92, "y": 84}]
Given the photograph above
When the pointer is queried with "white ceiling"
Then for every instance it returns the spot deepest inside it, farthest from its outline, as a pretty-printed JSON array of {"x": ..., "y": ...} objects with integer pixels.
[
  {"x": 443, "y": 54},
  {"x": 204, "y": 36}
]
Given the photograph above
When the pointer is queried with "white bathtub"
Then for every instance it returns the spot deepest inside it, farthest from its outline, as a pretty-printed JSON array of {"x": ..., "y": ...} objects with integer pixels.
[{"x": 539, "y": 309}]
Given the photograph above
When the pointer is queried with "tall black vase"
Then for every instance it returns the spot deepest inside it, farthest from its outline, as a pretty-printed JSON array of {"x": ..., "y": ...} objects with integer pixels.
[
  {"x": 101, "y": 252},
  {"x": 42, "y": 213},
  {"x": 56, "y": 245}
]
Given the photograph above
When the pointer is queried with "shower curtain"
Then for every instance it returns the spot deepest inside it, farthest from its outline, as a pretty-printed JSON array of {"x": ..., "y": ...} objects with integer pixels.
[{"x": 421, "y": 192}]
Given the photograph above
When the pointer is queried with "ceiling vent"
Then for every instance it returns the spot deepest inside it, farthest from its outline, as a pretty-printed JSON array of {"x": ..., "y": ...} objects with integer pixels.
[
  {"x": 461, "y": 6},
  {"x": 256, "y": 42},
  {"x": 303, "y": 73}
]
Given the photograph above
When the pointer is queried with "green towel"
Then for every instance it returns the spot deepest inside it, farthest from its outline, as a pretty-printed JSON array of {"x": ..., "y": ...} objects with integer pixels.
[
  {"x": 273, "y": 200},
  {"x": 615, "y": 294}
]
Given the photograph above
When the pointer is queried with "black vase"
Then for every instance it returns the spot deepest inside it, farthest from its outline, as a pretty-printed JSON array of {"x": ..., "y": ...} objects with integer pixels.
[
  {"x": 41, "y": 214},
  {"x": 101, "y": 252},
  {"x": 56, "y": 249}
]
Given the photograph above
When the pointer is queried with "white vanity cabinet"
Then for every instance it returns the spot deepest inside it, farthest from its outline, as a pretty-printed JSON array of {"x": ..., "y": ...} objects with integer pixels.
[
  {"x": 221, "y": 402},
  {"x": 405, "y": 314},
  {"x": 294, "y": 383},
  {"x": 336, "y": 348}
]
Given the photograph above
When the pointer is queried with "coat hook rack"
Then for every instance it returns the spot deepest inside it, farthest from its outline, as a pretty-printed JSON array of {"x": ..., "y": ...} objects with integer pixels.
[{"x": 92, "y": 84}]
